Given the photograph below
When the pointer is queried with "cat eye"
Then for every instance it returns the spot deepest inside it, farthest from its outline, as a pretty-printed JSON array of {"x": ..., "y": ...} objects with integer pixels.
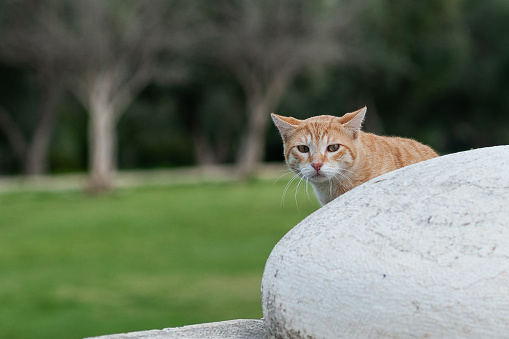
[
  {"x": 333, "y": 148},
  {"x": 303, "y": 148}
]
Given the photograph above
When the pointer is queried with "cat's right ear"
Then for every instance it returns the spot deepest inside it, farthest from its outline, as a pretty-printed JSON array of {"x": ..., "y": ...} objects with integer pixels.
[{"x": 285, "y": 125}]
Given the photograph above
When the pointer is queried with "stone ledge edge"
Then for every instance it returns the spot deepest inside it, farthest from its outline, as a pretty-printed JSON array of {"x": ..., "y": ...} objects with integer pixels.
[{"x": 229, "y": 329}]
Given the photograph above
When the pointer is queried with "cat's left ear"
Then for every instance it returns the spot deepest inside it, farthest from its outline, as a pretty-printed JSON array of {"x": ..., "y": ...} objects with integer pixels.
[
  {"x": 354, "y": 121},
  {"x": 285, "y": 125}
]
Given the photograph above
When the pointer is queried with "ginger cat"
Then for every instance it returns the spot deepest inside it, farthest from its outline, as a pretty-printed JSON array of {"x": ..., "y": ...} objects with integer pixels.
[{"x": 335, "y": 155}]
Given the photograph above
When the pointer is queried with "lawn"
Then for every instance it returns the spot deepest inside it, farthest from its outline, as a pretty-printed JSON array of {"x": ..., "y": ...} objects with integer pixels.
[{"x": 73, "y": 265}]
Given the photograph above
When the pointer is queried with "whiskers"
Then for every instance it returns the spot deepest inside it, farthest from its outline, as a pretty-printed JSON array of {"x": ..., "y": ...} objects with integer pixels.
[
  {"x": 343, "y": 179},
  {"x": 338, "y": 182},
  {"x": 301, "y": 179},
  {"x": 288, "y": 171}
]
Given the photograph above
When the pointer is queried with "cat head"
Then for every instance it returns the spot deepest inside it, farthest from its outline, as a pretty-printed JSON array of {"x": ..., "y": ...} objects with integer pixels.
[{"x": 321, "y": 148}]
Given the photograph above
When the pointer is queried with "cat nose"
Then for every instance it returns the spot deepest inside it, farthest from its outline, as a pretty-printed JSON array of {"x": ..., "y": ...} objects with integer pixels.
[{"x": 316, "y": 166}]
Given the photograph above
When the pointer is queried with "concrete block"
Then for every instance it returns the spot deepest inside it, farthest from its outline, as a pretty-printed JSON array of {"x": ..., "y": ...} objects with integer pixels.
[{"x": 420, "y": 252}]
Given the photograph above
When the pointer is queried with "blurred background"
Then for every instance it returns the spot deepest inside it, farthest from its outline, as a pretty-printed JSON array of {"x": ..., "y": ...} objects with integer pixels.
[{"x": 104, "y": 87}]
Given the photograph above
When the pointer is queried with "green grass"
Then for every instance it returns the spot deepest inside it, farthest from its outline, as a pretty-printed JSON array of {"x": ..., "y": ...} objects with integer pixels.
[{"x": 73, "y": 266}]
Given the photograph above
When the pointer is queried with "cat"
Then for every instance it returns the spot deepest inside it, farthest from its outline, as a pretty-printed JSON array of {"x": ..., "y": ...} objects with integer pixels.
[{"x": 334, "y": 155}]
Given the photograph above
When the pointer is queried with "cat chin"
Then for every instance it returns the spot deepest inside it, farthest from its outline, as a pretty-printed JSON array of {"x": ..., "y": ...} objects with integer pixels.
[{"x": 318, "y": 179}]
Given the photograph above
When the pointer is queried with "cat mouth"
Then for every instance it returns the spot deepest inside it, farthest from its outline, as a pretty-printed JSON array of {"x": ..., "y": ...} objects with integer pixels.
[
  {"x": 314, "y": 176},
  {"x": 318, "y": 177}
]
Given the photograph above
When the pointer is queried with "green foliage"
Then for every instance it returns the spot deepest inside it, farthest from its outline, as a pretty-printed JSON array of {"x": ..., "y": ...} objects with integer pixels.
[
  {"x": 74, "y": 266},
  {"x": 431, "y": 70}
]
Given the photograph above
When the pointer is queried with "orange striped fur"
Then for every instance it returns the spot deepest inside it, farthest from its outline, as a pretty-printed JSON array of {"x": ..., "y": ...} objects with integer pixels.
[{"x": 334, "y": 155}]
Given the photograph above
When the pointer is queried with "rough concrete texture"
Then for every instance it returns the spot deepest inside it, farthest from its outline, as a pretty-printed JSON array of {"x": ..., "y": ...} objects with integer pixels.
[
  {"x": 421, "y": 252},
  {"x": 232, "y": 329}
]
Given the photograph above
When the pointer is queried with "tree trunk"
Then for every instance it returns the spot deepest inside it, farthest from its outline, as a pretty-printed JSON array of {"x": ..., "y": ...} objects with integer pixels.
[
  {"x": 189, "y": 110},
  {"x": 102, "y": 143},
  {"x": 252, "y": 145},
  {"x": 261, "y": 98},
  {"x": 13, "y": 133},
  {"x": 36, "y": 161}
]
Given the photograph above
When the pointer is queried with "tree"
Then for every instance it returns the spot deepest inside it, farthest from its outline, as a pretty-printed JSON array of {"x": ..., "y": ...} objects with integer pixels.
[
  {"x": 18, "y": 47},
  {"x": 211, "y": 106},
  {"x": 32, "y": 151},
  {"x": 265, "y": 44},
  {"x": 108, "y": 51}
]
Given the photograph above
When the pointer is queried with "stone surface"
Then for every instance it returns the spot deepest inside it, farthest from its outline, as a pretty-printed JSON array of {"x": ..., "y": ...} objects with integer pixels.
[
  {"x": 232, "y": 329},
  {"x": 419, "y": 252}
]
